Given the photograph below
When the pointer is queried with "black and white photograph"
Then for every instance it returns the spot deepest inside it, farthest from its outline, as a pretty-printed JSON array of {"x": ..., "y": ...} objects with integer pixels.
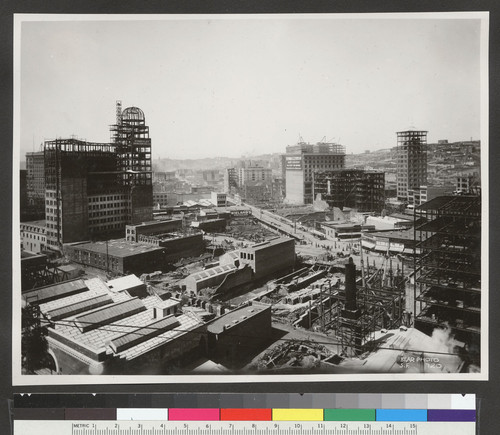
[{"x": 250, "y": 198}]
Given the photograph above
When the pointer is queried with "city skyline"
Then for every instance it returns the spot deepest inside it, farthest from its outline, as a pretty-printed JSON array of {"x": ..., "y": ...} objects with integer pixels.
[{"x": 238, "y": 85}]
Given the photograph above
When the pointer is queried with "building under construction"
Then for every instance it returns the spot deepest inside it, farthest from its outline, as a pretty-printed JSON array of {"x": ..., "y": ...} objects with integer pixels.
[
  {"x": 354, "y": 188},
  {"x": 352, "y": 310},
  {"x": 368, "y": 305},
  {"x": 301, "y": 161},
  {"x": 411, "y": 161},
  {"x": 448, "y": 272},
  {"x": 95, "y": 189}
]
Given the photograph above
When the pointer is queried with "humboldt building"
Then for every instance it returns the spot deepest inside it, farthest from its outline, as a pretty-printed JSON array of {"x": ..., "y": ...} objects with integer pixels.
[{"x": 94, "y": 190}]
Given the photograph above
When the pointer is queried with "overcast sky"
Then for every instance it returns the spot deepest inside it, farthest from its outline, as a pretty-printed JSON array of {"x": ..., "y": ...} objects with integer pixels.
[{"x": 242, "y": 86}]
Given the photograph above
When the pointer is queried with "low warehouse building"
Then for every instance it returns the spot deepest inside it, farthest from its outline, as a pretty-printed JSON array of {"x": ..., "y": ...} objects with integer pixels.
[
  {"x": 212, "y": 277},
  {"x": 94, "y": 330},
  {"x": 239, "y": 333},
  {"x": 270, "y": 257},
  {"x": 393, "y": 242},
  {"x": 210, "y": 225},
  {"x": 151, "y": 253},
  {"x": 117, "y": 256},
  {"x": 132, "y": 232}
]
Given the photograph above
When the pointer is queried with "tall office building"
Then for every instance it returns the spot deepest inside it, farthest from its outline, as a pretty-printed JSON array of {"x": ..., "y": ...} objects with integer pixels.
[
  {"x": 35, "y": 183},
  {"x": 230, "y": 180},
  {"x": 411, "y": 152},
  {"x": 93, "y": 190},
  {"x": 301, "y": 161}
]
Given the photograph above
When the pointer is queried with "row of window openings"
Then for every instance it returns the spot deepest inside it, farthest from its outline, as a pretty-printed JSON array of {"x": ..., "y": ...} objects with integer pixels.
[
  {"x": 109, "y": 227},
  {"x": 246, "y": 256},
  {"x": 106, "y": 206},
  {"x": 32, "y": 229},
  {"x": 32, "y": 236},
  {"x": 108, "y": 213},
  {"x": 107, "y": 198},
  {"x": 104, "y": 220}
]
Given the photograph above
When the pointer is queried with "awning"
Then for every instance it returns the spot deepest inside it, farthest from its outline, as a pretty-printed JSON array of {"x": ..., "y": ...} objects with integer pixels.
[{"x": 368, "y": 245}]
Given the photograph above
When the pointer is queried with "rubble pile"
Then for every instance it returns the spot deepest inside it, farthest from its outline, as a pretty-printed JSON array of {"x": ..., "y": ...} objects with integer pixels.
[
  {"x": 248, "y": 229},
  {"x": 295, "y": 353}
]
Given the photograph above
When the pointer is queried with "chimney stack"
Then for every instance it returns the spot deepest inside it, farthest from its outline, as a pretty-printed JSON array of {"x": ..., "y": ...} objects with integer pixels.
[
  {"x": 350, "y": 285},
  {"x": 351, "y": 310}
]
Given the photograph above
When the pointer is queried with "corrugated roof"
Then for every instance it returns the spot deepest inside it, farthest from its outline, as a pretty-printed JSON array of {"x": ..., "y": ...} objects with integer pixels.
[
  {"x": 103, "y": 316},
  {"x": 79, "y": 307},
  {"x": 56, "y": 291},
  {"x": 143, "y": 334},
  {"x": 217, "y": 270}
]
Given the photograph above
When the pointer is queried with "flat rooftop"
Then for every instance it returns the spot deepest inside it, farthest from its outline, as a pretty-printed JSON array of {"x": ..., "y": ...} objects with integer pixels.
[
  {"x": 344, "y": 225},
  {"x": 395, "y": 234},
  {"x": 268, "y": 243},
  {"x": 117, "y": 248},
  {"x": 157, "y": 223},
  {"x": 402, "y": 216},
  {"x": 234, "y": 317},
  {"x": 40, "y": 223},
  {"x": 124, "y": 283}
]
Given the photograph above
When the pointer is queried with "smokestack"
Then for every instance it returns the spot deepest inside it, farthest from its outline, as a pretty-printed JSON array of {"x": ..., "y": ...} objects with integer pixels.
[{"x": 350, "y": 285}]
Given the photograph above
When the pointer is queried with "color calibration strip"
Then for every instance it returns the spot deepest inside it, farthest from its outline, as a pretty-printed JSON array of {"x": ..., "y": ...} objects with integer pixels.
[{"x": 229, "y": 414}]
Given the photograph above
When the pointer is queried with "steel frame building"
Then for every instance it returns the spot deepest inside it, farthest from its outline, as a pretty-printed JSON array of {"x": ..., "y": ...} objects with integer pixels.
[
  {"x": 354, "y": 188},
  {"x": 448, "y": 271},
  {"x": 411, "y": 169},
  {"x": 95, "y": 189}
]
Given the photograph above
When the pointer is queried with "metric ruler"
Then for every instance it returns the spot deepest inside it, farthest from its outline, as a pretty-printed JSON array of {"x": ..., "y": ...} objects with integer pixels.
[{"x": 65, "y": 427}]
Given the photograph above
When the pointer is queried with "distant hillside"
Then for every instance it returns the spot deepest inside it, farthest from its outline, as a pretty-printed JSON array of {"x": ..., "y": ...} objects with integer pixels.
[
  {"x": 217, "y": 163},
  {"x": 458, "y": 153}
]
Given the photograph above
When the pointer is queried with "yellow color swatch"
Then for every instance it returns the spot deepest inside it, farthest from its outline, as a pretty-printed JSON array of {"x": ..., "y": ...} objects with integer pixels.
[{"x": 297, "y": 414}]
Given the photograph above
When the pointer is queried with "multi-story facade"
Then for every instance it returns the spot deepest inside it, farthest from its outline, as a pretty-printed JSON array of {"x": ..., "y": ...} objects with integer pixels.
[
  {"x": 163, "y": 176},
  {"x": 35, "y": 183},
  {"x": 270, "y": 257},
  {"x": 354, "y": 188},
  {"x": 423, "y": 194},
  {"x": 468, "y": 183},
  {"x": 253, "y": 174},
  {"x": 411, "y": 163},
  {"x": 95, "y": 189},
  {"x": 218, "y": 199},
  {"x": 33, "y": 237},
  {"x": 448, "y": 271},
  {"x": 160, "y": 198},
  {"x": 230, "y": 180},
  {"x": 301, "y": 161}
]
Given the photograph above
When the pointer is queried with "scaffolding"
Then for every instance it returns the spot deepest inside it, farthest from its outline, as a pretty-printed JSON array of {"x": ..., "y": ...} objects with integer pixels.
[
  {"x": 381, "y": 306},
  {"x": 130, "y": 135},
  {"x": 447, "y": 288}
]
